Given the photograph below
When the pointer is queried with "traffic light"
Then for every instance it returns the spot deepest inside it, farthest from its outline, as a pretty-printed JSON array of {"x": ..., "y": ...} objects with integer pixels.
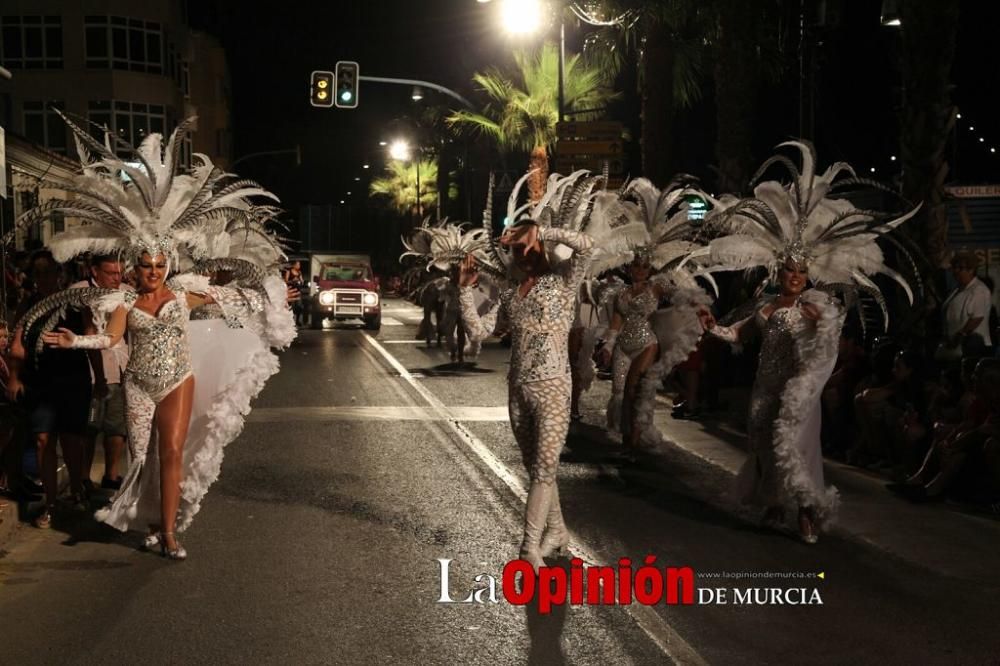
[
  {"x": 347, "y": 85},
  {"x": 321, "y": 89}
]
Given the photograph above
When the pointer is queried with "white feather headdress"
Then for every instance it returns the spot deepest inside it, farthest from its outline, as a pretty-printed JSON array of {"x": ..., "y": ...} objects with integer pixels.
[
  {"x": 145, "y": 204},
  {"x": 799, "y": 221},
  {"x": 643, "y": 221},
  {"x": 444, "y": 244}
]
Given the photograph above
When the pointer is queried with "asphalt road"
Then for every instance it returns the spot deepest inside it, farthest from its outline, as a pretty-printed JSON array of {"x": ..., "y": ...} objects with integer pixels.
[{"x": 366, "y": 460}]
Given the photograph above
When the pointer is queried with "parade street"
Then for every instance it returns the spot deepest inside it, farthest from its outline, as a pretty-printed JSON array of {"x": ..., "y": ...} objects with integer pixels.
[{"x": 370, "y": 458}]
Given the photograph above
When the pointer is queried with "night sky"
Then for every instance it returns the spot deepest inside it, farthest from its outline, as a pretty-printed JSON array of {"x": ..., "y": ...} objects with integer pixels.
[{"x": 272, "y": 48}]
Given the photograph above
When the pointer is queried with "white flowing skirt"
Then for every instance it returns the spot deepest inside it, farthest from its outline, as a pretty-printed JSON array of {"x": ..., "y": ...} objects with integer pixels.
[{"x": 230, "y": 369}]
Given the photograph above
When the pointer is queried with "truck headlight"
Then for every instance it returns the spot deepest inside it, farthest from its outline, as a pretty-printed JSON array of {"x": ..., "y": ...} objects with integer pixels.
[
  {"x": 326, "y": 298},
  {"x": 370, "y": 299}
]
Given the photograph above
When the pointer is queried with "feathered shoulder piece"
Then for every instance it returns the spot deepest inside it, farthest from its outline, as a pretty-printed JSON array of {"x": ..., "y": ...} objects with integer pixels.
[
  {"x": 51, "y": 309},
  {"x": 808, "y": 221},
  {"x": 142, "y": 202}
]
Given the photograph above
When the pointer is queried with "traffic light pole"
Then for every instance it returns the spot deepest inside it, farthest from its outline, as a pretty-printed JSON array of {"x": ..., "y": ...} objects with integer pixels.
[{"x": 417, "y": 82}]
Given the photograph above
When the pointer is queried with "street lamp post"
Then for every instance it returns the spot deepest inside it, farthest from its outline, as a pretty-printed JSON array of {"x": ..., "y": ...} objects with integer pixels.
[{"x": 524, "y": 16}]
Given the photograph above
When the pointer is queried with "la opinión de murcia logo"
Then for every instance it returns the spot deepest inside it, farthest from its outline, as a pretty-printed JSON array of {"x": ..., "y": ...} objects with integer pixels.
[{"x": 582, "y": 584}]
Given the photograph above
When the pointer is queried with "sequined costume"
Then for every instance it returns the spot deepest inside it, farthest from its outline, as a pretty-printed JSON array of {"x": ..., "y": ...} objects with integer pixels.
[
  {"x": 797, "y": 355},
  {"x": 539, "y": 385},
  {"x": 635, "y": 336},
  {"x": 676, "y": 330}
]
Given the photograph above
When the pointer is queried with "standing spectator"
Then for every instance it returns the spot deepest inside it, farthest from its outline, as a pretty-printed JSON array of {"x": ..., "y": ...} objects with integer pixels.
[
  {"x": 11, "y": 428},
  {"x": 294, "y": 280},
  {"x": 966, "y": 312},
  {"x": 108, "y": 401},
  {"x": 55, "y": 386}
]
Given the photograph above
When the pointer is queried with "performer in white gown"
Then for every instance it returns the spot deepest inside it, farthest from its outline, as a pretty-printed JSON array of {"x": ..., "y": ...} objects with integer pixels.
[
  {"x": 187, "y": 384},
  {"x": 798, "y": 233}
]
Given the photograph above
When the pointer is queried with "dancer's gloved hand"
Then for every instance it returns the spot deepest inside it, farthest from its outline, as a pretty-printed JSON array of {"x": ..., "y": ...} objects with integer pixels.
[
  {"x": 468, "y": 273},
  {"x": 524, "y": 236}
]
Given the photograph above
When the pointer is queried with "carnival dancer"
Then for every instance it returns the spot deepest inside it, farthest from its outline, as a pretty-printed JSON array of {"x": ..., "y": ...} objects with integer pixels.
[
  {"x": 442, "y": 247},
  {"x": 644, "y": 341},
  {"x": 187, "y": 384},
  {"x": 798, "y": 233},
  {"x": 538, "y": 311}
]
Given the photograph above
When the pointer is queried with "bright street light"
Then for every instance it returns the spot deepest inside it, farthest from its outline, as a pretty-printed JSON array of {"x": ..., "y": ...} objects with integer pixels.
[
  {"x": 417, "y": 94},
  {"x": 399, "y": 150},
  {"x": 521, "y": 16}
]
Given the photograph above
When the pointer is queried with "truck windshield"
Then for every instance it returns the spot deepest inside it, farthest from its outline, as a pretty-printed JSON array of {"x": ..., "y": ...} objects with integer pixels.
[{"x": 346, "y": 272}]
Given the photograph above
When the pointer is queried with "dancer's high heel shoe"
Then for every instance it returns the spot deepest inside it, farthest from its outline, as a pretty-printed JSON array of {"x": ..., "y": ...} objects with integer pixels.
[
  {"x": 807, "y": 528},
  {"x": 151, "y": 541},
  {"x": 175, "y": 553}
]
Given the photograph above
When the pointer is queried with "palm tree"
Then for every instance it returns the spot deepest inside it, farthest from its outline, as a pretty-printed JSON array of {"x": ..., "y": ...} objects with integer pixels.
[
  {"x": 667, "y": 41},
  {"x": 523, "y": 109},
  {"x": 928, "y": 49},
  {"x": 399, "y": 184}
]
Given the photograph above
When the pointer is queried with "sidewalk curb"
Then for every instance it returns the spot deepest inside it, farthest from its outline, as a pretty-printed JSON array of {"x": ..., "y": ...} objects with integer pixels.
[
  {"x": 877, "y": 521},
  {"x": 10, "y": 522}
]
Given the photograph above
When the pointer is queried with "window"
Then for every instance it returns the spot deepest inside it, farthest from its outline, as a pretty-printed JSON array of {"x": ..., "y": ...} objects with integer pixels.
[
  {"x": 44, "y": 126},
  {"x": 114, "y": 42},
  {"x": 129, "y": 121},
  {"x": 31, "y": 42}
]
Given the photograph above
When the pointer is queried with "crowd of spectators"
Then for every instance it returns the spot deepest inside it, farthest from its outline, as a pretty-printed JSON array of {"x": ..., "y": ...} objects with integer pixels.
[
  {"x": 67, "y": 399},
  {"x": 923, "y": 415}
]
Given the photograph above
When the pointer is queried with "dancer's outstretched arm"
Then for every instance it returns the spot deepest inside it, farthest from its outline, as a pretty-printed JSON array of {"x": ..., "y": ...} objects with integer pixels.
[
  {"x": 733, "y": 334},
  {"x": 478, "y": 328},
  {"x": 113, "y": 332}
]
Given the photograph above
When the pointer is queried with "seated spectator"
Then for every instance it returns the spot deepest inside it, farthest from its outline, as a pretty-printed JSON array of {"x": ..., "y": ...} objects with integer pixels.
[
  {"x": 838, "y": 395},
  {"x": 952, "y": 448},
  {"x": 870, "y": 403}
]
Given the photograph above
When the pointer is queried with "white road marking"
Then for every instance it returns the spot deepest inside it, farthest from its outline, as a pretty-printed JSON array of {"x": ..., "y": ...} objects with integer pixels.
[
  {"x": 659, "y": 631},
  {"x": 369, "y": 413},
  {"x": 391, "y": 321},
  {"x": 402, "y": 342}
]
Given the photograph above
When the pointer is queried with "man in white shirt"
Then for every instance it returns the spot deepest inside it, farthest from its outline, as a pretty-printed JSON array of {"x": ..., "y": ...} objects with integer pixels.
[
  {"x": 108, "y": 410},
  {"x": 967, "y": 309}
]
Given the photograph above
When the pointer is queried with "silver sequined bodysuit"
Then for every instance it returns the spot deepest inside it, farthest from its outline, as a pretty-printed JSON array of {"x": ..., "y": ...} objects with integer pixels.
[
  {"x": 161, "y": 355},
  {"x": 636, "y": 332},
  {"x": 539, "y": 321},
  {"x": 778, "y": 363}
]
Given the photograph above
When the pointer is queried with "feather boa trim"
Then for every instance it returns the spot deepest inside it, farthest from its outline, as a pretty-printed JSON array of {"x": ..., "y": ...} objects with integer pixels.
[
  {"x": 817, "y": 349},
  {"x": 225, "y": 424}
]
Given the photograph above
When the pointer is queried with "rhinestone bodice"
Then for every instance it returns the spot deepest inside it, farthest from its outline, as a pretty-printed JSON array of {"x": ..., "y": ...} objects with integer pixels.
[
  {"x": 540, "y": 323},
  {"x": 636, "y": 332},
  {"x": 160, "y": 356}
]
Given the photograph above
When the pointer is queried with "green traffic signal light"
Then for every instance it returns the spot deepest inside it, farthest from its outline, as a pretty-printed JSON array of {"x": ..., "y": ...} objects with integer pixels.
[{"x": 346, "y": 78}]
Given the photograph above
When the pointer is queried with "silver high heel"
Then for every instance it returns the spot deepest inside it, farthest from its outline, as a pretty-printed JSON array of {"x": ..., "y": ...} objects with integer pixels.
[
  {"x": 177, "y": 553},
  {"x": 151, "y": 541}
]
